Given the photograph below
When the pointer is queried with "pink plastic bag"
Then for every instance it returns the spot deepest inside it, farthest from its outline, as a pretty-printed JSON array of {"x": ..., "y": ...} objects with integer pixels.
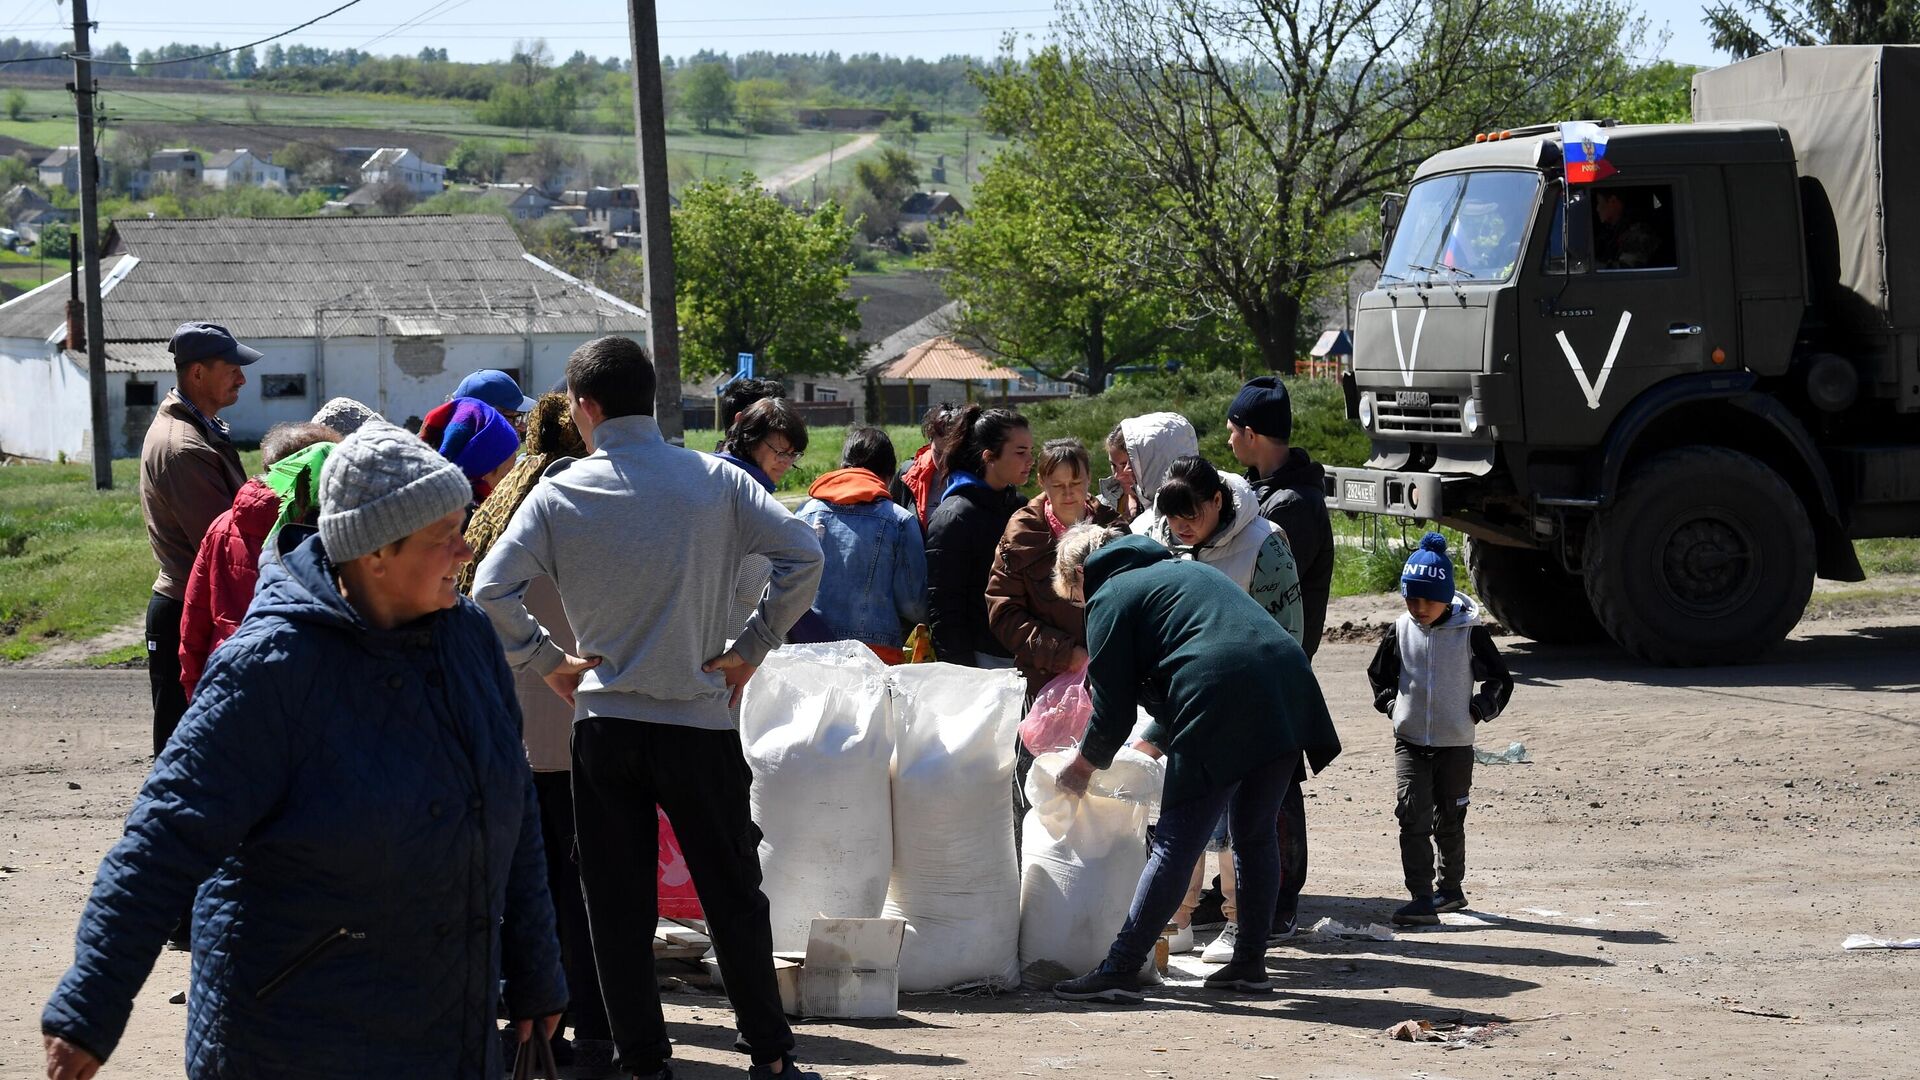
[
  {"x": 1059, "y": 715},
  {"x": 678, "y": 900}
]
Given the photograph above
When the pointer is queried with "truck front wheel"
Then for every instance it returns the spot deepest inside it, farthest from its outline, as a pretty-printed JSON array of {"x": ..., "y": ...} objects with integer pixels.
[
  {"x": 1705, "y": 557},
  {"x": 1531, "y": 594}
]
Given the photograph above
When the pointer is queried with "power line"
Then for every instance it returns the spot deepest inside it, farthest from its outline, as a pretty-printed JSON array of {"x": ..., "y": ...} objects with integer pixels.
[
  {"x": 224, "y": 52},
  {"x": 622, "y": 22},
  {"x": 439, "y": 7}
]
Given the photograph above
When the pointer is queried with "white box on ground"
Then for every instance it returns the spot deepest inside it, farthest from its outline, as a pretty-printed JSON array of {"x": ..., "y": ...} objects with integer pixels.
[{"x": 850, "y": 971}]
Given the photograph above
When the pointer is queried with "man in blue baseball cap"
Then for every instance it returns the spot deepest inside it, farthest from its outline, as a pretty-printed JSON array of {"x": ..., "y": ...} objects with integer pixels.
[
  {"x": 189, "y": 474},
  {"x": 497, "y": 389}
]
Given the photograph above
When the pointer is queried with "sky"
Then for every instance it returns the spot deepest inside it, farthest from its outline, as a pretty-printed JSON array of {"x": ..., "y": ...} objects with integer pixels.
[{"x": 486, "y": 29}]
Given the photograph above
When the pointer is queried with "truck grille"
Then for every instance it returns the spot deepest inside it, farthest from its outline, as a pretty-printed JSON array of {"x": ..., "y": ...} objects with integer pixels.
[{"x": 1440, "y": 416}]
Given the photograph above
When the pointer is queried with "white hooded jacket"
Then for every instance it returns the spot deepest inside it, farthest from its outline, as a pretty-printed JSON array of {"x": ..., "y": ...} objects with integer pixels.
[
  {"x": 1251, "y": 550},
  {"x": 1154, "y": 441}
]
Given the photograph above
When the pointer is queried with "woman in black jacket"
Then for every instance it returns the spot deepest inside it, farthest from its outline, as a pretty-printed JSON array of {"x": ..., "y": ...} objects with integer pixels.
[{"x": 989, "y": 454}]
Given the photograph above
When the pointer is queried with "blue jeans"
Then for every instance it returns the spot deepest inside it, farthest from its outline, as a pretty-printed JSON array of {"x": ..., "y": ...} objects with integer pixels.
[{"x": 1180, "y": 839}]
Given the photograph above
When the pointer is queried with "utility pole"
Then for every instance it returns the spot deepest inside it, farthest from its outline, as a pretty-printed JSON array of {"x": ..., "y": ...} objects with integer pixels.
[
  {"x": 90, "y": 247},
  {"x": 656, "y": 218}
]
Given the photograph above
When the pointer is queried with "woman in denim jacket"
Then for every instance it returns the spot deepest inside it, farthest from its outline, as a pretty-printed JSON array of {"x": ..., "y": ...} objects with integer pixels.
[{"x": 875, "y": 583}]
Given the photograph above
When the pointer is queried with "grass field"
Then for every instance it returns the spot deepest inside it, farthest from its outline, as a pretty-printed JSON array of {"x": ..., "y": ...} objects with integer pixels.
[
  {"x": 74, "y": 562},
  {"x": 236, "y": 118}
]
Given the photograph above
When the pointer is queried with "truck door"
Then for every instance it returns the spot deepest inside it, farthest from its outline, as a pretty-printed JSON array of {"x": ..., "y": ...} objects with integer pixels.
[{"x": 1654, "y": 301}]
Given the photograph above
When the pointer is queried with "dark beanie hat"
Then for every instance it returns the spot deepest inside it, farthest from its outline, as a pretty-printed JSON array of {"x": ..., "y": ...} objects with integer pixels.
[
  {"x": 1263, "y": 407},
  {"x": 1428, "y": 574}
]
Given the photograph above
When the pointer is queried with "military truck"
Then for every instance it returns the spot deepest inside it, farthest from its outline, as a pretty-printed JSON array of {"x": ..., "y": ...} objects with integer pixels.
[{"x": 1662, "y": 376}]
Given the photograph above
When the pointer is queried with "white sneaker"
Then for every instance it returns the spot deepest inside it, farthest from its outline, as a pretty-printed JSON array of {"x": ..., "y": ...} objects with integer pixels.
[
  {"x": 1220, "y": 949},
  {"x": 1179, "y": 939}
]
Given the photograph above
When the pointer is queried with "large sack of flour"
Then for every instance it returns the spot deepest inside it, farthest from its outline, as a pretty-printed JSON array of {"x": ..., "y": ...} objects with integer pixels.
[
  {"x": 955, "y": 880},
  {"x": 1081, "y": 860},
  {"x": 817, "y": 728}
]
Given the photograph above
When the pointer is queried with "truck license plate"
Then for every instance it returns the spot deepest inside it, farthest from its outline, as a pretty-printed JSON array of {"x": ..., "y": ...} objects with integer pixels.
[
  {"x": 1360, "y": 491},
  {"x": 1413, "y": 399}
]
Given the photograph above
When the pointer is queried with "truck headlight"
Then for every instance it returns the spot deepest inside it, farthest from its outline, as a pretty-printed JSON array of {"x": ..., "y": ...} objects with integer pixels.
[
  {"x": 1470, "y": 417},
  {"x": 1366, "y": 411}
]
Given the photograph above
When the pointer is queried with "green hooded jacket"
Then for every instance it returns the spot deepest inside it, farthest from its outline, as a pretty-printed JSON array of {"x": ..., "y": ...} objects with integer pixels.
[{"x": 1228, "y": 689}]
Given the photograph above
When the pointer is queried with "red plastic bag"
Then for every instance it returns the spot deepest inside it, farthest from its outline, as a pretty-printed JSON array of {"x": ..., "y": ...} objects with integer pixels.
[
  {"x": 1060, "y": 714},
  {"x": 678, "y": 900}
]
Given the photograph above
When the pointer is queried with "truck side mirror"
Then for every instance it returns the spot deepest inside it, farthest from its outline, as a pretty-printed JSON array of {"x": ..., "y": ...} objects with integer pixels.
[{"x": 1391, "y": 207}]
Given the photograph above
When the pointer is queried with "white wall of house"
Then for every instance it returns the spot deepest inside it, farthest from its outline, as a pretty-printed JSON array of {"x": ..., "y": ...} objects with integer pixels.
[
  {"x": 248, "y": 172},
  {"x": 44, "y": 408}
]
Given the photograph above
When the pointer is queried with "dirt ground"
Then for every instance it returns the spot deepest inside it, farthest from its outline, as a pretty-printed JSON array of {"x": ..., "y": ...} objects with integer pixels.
[{"x": 1662, "y": 894}]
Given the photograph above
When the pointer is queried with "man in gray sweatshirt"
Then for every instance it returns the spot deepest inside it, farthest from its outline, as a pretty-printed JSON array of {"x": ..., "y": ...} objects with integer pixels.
[{"x": 643, "y": 541}]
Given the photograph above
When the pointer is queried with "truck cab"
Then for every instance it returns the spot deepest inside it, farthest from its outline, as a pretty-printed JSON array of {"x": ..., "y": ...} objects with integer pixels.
[{"x": 1634, "y": 366}]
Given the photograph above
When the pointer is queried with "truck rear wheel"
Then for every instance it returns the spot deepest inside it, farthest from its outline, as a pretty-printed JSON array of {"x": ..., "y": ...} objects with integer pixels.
[
  {"x": 1531, "y": 594},
  {"x": 1706, "y": 557}
]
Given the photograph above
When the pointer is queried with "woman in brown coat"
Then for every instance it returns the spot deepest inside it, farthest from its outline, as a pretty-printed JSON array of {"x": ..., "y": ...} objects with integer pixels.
[{"x": 1046, "y": 632}]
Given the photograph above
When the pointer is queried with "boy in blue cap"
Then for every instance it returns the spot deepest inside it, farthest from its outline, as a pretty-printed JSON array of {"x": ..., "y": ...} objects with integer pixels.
[{"x": 1423, "y": 676}]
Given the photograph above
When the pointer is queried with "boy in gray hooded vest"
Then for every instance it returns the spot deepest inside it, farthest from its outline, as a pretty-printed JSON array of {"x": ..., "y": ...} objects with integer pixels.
[{"x": 1423, "y": 676}]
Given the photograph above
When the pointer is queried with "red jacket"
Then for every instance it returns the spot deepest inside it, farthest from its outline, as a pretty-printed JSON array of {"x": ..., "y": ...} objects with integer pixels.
[{"x": 224, "y": 571}]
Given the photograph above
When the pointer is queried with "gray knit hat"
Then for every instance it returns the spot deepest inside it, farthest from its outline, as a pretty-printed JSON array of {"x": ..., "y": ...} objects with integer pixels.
[
  {"x": 382, "y": 484},
  {"x": 345, "y": 415}
]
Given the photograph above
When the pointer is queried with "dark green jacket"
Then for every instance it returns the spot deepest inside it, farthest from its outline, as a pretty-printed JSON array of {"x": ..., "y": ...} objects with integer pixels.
[{"x": 1228, "y": 689}]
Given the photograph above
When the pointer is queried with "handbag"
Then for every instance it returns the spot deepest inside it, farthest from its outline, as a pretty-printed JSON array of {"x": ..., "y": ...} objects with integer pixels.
[{"x": 535, "y": 1059}]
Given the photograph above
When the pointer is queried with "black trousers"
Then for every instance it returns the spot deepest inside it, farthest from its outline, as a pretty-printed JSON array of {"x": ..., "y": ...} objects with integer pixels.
[
  {"x": 621, "y": 770},
  {"x": 586, "y": 1012},
  {"x": 1431, "y": 793},
  {"x": 163, "y": 668},
  {"x": 1293, "y": 848}
]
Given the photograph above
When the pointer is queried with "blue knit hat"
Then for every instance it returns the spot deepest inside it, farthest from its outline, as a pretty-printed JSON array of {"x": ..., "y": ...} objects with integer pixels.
[{"x": 1428, "y": 574}]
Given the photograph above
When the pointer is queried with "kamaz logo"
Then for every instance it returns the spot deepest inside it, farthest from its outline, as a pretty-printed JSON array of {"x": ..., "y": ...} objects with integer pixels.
[{"x": 1412, "y": 399}]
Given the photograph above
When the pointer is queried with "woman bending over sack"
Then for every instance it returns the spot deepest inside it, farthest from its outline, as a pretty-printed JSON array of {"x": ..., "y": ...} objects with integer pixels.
[{"x": 1233, "y": 703}]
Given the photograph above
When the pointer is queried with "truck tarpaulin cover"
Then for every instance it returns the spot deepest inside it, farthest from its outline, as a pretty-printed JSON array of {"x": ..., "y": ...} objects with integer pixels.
[{"x": 1851, "y": 112}]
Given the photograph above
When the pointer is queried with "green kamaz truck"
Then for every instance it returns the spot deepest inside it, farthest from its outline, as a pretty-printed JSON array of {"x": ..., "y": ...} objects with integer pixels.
[{"x": 1662, "y": 376}]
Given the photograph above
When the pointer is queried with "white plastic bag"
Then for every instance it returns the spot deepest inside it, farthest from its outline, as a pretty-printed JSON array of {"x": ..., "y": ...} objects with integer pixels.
[
  {"x": 955, "y": 880},
  {"x": 1081, "y": 860},
  {"x": 816, "y": 724}
]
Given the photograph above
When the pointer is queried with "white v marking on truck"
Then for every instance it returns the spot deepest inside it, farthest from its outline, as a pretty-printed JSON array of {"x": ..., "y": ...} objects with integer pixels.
[
  {"x": 1408, "y": 363},
  {"x": 1593, "y": 390}
]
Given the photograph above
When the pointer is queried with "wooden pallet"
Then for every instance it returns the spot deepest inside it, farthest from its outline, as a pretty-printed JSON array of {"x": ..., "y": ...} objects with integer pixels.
[{"x": 678, "y": 940}]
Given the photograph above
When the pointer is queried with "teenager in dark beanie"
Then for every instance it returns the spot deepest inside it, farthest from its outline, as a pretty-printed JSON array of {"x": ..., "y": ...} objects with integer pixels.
[{"x": 1288, "y": 484}]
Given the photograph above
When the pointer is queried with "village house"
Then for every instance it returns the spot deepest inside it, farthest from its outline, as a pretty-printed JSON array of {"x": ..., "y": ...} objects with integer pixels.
[
  {"x": 610, "y": 210},
  {"x": 26, "y": 211},
  {"x": 243, "y": 168},
  {"x": 398, "y": 165},
  {"x": 393, "y": 311},
  {"x": 525, "y": 202},
  {"x": 61, "y": 169},
  {"x": 929, "y": 207}
]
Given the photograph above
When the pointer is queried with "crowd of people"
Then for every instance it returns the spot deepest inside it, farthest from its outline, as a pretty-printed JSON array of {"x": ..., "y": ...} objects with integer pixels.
[{"x": 419, "y": 699}]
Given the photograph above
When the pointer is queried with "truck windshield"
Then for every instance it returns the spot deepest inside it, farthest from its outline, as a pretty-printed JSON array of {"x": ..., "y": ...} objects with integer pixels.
[{"x": 1467, "y": 226}]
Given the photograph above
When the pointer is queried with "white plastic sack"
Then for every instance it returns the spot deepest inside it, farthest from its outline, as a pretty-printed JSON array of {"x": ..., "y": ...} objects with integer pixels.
[
  {"x": 955, "y": 880},
  {"x": 817, "y": 728},
  {"x": 1081, "y": 860}
]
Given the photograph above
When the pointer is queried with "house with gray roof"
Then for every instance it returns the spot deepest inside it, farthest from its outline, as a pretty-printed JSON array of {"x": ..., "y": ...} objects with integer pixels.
[
  {"x": 392, "y": 311},
  {"x": 399, "y": 165},
  {"x": 243, "y": 168},
  {"x": 61, "y": 169}
]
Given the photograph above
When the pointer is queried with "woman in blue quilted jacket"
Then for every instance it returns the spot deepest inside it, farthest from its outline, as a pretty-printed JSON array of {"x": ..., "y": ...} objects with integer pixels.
[{"x": 349, "y": 800}]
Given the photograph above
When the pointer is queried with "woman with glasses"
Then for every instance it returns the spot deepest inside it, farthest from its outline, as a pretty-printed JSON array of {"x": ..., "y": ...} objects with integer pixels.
[{"x": 764, "y": 440}]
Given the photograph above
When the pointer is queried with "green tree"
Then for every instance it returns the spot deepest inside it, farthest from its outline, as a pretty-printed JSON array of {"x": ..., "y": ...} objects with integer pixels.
[
  {"x": 1040, "y": 261},
  {"x": 16, "y": 105},
  {"x": 245, "y": 64},
  {"x": 756, "y": 277},
  {"x": 1751, "y": 27},
  {"x": 883, "y": 184},
  {"x": 55, "y": 240},
  {"x": 760, "y": 103},
  {"x": 1263, "y": 133},
  {"x": 708, "y": 95},
  {"x": 1660, "y": 93},
  {"x": 477, "y": 160}
]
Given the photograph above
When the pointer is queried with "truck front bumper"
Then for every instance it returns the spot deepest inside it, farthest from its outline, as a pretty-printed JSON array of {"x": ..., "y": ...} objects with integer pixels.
[{"x": 1381, "y": 491}]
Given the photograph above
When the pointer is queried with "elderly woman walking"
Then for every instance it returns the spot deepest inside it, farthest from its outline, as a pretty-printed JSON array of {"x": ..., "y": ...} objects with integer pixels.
[
  {"x": 1234, "y": 704},
  {"x": 349, "y": 786}
]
